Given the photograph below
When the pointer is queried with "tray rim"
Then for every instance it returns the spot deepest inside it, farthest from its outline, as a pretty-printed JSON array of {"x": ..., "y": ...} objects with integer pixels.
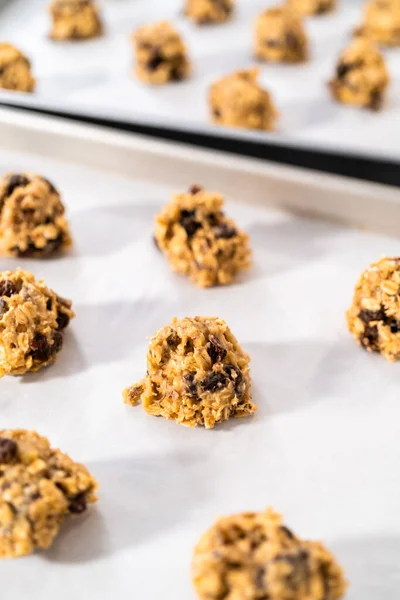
[
  {"x": 74, "y": 109},
  {"x": 351, "y": 202}
]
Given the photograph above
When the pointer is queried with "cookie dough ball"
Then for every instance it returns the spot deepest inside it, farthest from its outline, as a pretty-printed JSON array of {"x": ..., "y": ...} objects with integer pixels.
[
  {"x": 197, "y": 374},
  {"x": 374, "y": 316},
  {"x": 361, "y": 77},
  {"x": 32, "y": 323},
  {"x": 15, "y": 70},
  {"x": 255, "y": 556},
  {"x": 200, "y": 241},
  {"x": 280, "y": 36},
  {"x": 74, "y": 20},
  {"x": 209, "y": 11},
  {"x": 312, "y": 7},
  {"x": 39, "y": 487},
  {"x": 161, "y": 54},
  {"x": 382, "y": 22},
  {"x": 32, "y": 217},
  {"x": 237, "y": 100}
]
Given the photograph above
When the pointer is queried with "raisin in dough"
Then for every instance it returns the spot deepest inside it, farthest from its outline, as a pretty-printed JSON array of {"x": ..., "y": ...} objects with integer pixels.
[
  {"x": 32, "y": 217},
  {"x": 237, "y": 100},
  {"x": 382, "y": 22},
  {"x": 374, "y": 316},
  {"x": 200, "y": 241},
  {"x": 15, "y": 70},
  {"x": 74, "y": 20},
  {"x": 39, "y": 487},
  {"x": 312, "y": 7},
  {"x": 254, "y": 556},
  {"x": 361, "y": 77},
  {"x": 197, "y": 374},
  {"x": 161, "y": 54},
  {"x": 209, "y": 11},
  {"x": 32, "y": 322},
  {"x": 280, "y": 36}
]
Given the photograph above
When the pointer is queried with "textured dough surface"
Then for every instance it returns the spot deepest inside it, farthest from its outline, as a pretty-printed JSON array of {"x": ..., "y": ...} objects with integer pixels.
[
  {"x": 160, "y": 53},
  {"x": 32, "y": 217},
  {"x": 75, "y": 20},
  {"x": 312, "y": 7},
  {"x": 381, "y": 22},
  {"x": 280, "y": 36},
  {"x": 200, "y": 241},
  {"x": 32, "y": 322},
  {"x": 197, "y": 374},
  {"x": 254, "y": 556},
  {"x": 15, "y": 70},
  {"x": 209, "y": 11},
  {"x": 361, "y": 77},
  {"x": 237, "y": 100},
  {"x": 39, "y": 487},
  {"x": 374, "y": 316}
]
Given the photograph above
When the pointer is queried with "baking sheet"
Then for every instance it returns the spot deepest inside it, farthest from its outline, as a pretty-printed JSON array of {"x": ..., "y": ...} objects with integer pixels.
[
  {"x": 323, "y": 447},
  {"x": 94, "y": 78}
]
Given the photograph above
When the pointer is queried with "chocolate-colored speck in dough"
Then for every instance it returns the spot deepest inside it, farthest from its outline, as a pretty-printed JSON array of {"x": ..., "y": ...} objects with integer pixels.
[
  {"x": 7, "y": 288},
  {"x": 8, "y": 450}
]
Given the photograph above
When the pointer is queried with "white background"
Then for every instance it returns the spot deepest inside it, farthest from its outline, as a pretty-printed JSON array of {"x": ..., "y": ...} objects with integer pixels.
[
  {"x": 95, "y": 77},
  {"x": 323, "y": 448}
]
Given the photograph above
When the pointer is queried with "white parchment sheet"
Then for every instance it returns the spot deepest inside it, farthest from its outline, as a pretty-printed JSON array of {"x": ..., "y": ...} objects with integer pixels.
[
  {"x": 323, "y": 448},
  {"x": 95, "y": 77}
]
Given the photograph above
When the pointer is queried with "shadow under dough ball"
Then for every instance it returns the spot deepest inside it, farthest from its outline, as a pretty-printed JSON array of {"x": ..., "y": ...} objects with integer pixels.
[{"x": 197, "y": 374}]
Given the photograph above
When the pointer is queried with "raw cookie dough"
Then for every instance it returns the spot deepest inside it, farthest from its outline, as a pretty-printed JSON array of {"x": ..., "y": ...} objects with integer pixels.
[
  {"x": 197, "y": 374},
  {"x": 200, "y": 241},
  {"x": 15, "y": 70},
  {"x": 75, "y": 20},
  {"x": 161, "y": 55},
  {"x": 361, "y": 76},
  {"x": 237, "y": 100},
  {"x": 312, "y": 7},
  {"x": 39, "y": 487},
  {"x": 32, "y": 321},
  {"x": 32, "y": 219},
  {"x": 382, "y": 22},
  {"x": 280, "y": 36},
  {"x": 209, "y": 11},
  {"x": 253, "y": 556},
  {"x": 374, "y": 316}
]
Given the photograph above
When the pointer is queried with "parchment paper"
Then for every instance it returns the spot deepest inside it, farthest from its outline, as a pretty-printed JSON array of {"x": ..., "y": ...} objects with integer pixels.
[
  {"x": 323, "y": 447},
  {"x": 95, "y": 77}
]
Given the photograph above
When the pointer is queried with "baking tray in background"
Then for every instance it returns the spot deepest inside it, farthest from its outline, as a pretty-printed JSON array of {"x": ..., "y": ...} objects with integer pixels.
[
  {"x": 94, "y": 80},
  {"x": 324, "y": 445}
]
